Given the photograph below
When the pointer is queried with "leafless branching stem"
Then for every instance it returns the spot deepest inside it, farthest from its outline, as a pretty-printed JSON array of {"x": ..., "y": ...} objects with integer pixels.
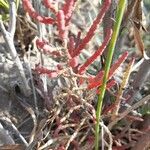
[
  {"x": 8, "y": 121},
  {"x": 9, "y": 37},
  {"x": 125, "y": 113},
  {"x": 140, "y": 77}
]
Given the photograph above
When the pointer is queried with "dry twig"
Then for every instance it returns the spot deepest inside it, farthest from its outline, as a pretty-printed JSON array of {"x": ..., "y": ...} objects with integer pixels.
[{"x": 125, "y": 113}]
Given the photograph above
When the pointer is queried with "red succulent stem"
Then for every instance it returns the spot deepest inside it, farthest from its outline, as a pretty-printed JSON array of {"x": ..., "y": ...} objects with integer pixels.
[
  {"x": 61, "y": 25},
  {"x": 68, "y": 9},
  {"x": 50, "y": 73},
  {"x": 71, "y": 45},
  {"x": 116, "y": 65},
  {"x": 109, "y": 85},
  {"x": 29, "y": 8},
  {"x": 97, "y": 53},
  {"x": 93, "y": 28},
  {"x": 46, "y": 48},
  {"x": 97, "y": 81},
  {"x": 97, "y": 77}
]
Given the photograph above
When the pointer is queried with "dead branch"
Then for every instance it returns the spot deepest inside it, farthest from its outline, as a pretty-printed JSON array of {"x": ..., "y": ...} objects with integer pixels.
[
  {"x": 8, "y": 36},
  {"x": 125, "y": 113}
]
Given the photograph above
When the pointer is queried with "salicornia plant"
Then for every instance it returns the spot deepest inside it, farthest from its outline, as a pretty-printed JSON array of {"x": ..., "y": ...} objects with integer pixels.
[{"x": 74, "y": 45}]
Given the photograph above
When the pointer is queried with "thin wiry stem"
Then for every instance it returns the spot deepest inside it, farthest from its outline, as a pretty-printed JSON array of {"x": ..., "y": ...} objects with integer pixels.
[{"x": 130, "y": 109}]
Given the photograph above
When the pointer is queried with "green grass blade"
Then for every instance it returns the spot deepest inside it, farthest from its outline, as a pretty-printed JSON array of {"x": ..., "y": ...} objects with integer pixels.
[
  {"x": 4, "y": 4},
  {"x": 111, "y": 47}
]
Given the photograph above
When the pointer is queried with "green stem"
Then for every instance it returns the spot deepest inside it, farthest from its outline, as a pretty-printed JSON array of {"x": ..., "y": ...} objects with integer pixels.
[{"x": 111, "y": 47}]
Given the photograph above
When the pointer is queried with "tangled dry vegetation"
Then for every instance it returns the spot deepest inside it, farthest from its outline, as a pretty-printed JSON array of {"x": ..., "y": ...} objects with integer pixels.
[{"x": 52, "y": 68}]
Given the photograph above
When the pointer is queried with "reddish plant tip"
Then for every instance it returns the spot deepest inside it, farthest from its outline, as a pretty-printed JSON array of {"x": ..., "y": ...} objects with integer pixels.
[
  {"x": 28, "y": 7},
  {"x": 97, "y": 77},
  {"x": 61, "y": 25},
  {"x": 97, "y": 53},
  {"x": 109, "y": 85},
  {"x": 98, "y": 81},
  {"x": 93, "y": 28},
  {"x": 116, "y": 65},
  {"x": 46, "y": 48},
  {"x": 68, "y": 9}
]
